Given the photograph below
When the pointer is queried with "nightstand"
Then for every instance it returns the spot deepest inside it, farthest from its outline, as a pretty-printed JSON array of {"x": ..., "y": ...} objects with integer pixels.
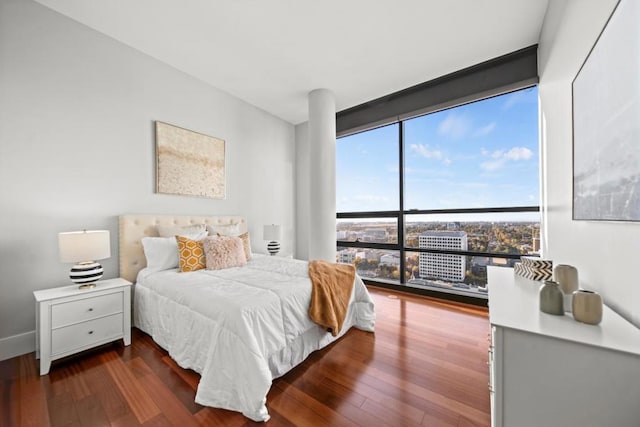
[{"x": 70, "y": 320}]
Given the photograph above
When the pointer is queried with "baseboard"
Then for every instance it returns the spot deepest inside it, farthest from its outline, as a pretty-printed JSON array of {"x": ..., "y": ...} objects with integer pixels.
[{"x": 17, "y": 345}]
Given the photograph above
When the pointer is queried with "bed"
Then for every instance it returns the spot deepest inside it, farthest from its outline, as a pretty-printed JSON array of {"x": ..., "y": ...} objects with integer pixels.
[{"x": 239, "y": 328}]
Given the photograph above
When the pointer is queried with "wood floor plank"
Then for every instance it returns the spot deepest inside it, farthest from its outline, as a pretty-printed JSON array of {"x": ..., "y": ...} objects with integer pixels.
[
  {"x": 91, "y": 413},
  {"x": 128, "y": 420},
  {"x": 298, "y": 412},
  {"x": 396, "y": 406},
  {"x": 76, "y": 384},
  {"x": 174, "y": 377},
  {"x": 29, "y": 398},
  {"x": 102, "y": 386},
  {"x": 173, "y": 410},
  {"x": 424, "y": 366},
  {"x": 62, "y": 411},
  {"x": 159, "y": 420},
  {"x": 8, "y": 373},
  {"x": 426, "y": 394},
  {"x": 190, "y": 377},
  {"x": 219, "y": 417},
  {"x": 136, "y": 396}
]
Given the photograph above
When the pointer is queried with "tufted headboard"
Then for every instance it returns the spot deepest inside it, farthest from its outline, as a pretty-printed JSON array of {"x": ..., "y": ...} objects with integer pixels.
[{"x": 134, "y": 227}]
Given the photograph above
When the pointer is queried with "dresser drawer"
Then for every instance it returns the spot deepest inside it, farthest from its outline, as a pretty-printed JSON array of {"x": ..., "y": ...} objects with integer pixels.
[
  {"x": 85, "y": 309},
  {"x": 86, "y": 334}
]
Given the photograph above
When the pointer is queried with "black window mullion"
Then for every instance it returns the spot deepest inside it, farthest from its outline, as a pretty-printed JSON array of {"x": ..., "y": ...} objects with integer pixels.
[
  {"x": 401, "y": 242},
  {"x": 368, "y": 245}
]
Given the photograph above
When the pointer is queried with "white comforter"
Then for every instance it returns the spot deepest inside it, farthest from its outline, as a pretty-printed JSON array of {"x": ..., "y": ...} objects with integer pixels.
[{"x": 240, "y": 327}]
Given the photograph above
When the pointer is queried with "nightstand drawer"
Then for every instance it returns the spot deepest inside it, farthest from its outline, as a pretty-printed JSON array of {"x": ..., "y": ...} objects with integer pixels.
[
  {"x": 85, "y": 334},
  {"x": 85, "y": 309}
]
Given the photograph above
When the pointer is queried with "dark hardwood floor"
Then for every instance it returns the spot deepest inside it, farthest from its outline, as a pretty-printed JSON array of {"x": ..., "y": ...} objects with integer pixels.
[{"x": 426, "y": 365}]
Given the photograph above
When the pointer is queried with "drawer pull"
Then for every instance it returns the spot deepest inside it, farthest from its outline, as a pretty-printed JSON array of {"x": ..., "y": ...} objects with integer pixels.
[
  {"x": 90, "y": 332},
  {"x": 90, "y": 309}
]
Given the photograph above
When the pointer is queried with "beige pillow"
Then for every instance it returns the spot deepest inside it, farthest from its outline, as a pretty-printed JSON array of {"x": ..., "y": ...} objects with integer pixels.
[
  {"x": 172, "y": 230},
  {"x": 227, "y": 229},
  {"x": 190, "y": 254},
  {"x": 246, "y": 243},
  {"x": 223, "y": 252}
]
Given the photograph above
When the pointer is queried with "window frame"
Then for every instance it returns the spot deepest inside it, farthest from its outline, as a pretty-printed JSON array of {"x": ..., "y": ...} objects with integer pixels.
[{"x": 402, "y": 213}]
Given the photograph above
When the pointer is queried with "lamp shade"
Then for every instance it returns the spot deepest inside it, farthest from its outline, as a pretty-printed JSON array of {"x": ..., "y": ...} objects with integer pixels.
[
  {"x": 76, "y": 246},
  {"x": 272, "y": 232}
]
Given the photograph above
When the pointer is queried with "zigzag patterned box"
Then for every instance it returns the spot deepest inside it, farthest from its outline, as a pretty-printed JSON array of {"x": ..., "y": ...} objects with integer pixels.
[
  {"x": 530, "y": 273},
  {"x": 537, "y": 263}
]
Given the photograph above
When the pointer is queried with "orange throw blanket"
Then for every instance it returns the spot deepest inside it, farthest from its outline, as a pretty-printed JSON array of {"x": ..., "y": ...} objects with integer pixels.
[{"x": 331, "y": 287}]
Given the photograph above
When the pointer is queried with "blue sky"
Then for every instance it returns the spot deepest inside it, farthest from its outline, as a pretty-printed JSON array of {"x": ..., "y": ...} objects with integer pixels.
[{"x": 483, "y": 154}]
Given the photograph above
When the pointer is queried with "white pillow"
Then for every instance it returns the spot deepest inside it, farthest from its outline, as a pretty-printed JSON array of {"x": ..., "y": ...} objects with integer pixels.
[{"x": 162, "y": 252}]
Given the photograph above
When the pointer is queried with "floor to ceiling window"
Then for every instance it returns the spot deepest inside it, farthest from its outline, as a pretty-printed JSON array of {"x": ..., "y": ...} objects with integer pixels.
[{"x": 430, "y": 201}]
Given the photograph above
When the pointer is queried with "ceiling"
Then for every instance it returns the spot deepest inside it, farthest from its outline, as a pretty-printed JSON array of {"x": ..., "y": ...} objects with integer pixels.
[{"x": 272, "y": 53}]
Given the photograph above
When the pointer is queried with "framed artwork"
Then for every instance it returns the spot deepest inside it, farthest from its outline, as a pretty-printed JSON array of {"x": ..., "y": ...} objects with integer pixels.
[
  {"x": 606, "y": 122},
  {"x": 189, "y": 163}
]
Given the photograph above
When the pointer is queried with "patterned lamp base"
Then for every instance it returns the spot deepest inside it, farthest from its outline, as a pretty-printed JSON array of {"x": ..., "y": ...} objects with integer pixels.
[
  {"x": 86, "y": 274},
  {"x": 273, "y": 247}
]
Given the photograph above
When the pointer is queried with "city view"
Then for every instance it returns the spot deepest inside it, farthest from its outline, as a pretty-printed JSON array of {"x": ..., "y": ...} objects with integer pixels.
[
  {"x": 436, "y": 170},
  {"x": 459, "y": 273}
]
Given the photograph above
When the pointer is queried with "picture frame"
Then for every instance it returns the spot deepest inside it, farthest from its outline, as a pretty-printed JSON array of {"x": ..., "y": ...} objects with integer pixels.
[
  {"x": 189, "y": 163},
  {"x": 606, "y": 125}
]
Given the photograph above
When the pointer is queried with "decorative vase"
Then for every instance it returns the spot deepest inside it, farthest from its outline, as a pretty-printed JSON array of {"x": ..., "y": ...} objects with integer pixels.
[
  {"x": 567, "y": 278},
  {"x": 551, "y": 298},
  {"x": 587, "y": 307}
]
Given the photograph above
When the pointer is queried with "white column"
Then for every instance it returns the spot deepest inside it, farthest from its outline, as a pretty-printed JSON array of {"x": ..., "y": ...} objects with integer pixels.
[
  {"x": 322, "y": 171},
  {"x": 302, "y": 191}
]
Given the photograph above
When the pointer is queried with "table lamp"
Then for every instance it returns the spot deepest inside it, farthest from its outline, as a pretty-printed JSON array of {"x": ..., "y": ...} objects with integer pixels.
[
  {"x": 272, "y": 232},
  {"x": 84, "y": 248}
]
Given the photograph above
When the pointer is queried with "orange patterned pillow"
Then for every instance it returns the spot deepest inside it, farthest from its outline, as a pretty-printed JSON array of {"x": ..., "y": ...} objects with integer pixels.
[{"x": 190, "y": 254}]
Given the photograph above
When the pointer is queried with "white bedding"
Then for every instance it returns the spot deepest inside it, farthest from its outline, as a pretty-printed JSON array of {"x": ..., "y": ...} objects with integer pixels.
[{"x": 240, "y": 327}]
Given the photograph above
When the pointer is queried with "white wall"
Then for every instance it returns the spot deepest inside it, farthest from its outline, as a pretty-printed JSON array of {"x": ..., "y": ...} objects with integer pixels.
[
  {"x": 605, "y": 253},
  {"x": 77, "y": 150}
]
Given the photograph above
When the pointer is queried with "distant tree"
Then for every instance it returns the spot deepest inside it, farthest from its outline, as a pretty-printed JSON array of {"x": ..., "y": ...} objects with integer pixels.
[{"x": 357, "y": 262}]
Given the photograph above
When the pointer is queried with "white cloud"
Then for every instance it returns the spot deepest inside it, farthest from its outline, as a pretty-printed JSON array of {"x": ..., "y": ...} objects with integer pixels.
[
  {"x": 454, "y": 126},
  {"x": 493, "y": 165},
  {"x": 501, "y": 157},
  {"x": 485, "y": 130},
  {"x": 425, "y": 152},
  {"x": 519, "y": 153}
]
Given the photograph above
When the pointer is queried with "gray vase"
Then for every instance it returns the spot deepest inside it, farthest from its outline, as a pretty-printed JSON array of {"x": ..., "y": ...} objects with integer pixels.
[{"x": 551, "y": 298}]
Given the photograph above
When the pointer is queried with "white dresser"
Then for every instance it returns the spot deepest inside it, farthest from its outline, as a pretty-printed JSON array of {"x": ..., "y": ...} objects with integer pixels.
[
  {"x": 69, "y": 320},
  {"x": 548, "y": 370}
]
